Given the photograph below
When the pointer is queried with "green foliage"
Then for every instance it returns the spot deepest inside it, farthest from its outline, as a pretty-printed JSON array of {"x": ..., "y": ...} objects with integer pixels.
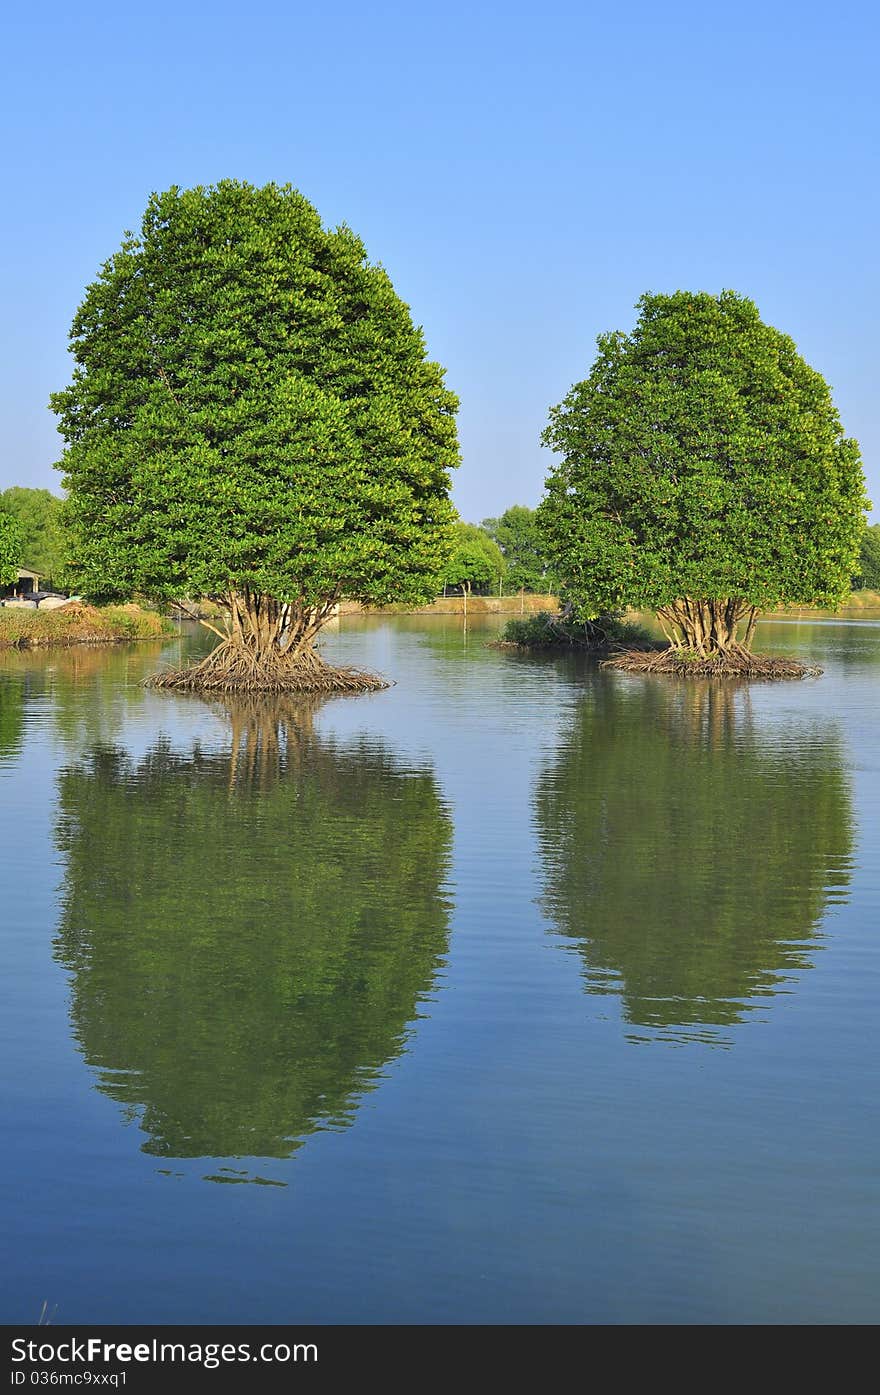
[
  {"x": 38, "y": 513},
  {"x": 10, "y": 548},
  {"x": 477, "y": 563},
  {"x": 702, "y": 458},
  {"x": 252, "y": 407},
  {"x": 518, "y": 535},
  {"x": 675, "y": 851},
  {"x": 868, "y": 576},
  {"x": 289, "y": 917},
  {"x": 132, "y": 622},
  {"x": 546, "y": 631}
]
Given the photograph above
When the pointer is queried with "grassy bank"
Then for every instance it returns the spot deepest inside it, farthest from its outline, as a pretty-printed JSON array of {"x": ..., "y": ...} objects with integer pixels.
[
  {"x": 527, "y": 604},
  {"x": 79, "y": 624},
  {"x": 854, "y": 605},
  {"x": 533, "y": 605}
]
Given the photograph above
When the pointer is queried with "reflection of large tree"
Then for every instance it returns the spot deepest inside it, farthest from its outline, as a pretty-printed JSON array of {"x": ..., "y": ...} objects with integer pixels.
[
  {"x": 249, "y": 932},
  {"x": 690, "y": 856}
]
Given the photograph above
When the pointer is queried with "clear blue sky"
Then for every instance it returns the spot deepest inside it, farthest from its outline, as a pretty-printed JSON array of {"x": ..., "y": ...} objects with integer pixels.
[{"x": 524, "y": 171}]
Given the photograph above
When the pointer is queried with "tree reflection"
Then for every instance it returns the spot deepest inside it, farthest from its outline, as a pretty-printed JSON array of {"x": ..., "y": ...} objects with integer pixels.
[
  {"x": 249, "y": 931},
  {"x": 12, "y": 700},
  {"x": 689, "y": 852}
]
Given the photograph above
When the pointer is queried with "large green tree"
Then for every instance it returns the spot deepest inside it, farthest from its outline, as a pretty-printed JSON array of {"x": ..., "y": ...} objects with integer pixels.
[
  {"x": 253, "y": 418},
  {"x": 10, "y": 548},
  {"x": 238, "y": 1020},
  {"x": 517, "y": 533},
  {"x": 704, "y": 475},
  {"x": 38, "y": 513}
]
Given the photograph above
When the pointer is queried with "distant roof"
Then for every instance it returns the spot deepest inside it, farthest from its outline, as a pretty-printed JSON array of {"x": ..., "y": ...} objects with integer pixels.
[{"x": 26, "y": 571}]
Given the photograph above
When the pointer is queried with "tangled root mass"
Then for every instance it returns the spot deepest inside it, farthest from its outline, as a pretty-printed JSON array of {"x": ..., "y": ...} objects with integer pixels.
[
  {"x": 236, "y": 668},
  {"x": 732, "y": 662}
]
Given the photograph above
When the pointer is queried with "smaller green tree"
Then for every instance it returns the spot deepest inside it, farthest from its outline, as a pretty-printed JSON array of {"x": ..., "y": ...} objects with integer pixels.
[
  {"x": 518, "y": 535},
  {"x": 704, "y": 475},
  {"x": 868, "y": 577},
  {"x": 10, "y": 548},
  {"x": 477, "y": 563}
]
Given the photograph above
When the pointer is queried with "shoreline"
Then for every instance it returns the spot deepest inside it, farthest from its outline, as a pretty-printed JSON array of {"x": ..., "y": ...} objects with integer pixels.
[{"x": 78, "y": 624}]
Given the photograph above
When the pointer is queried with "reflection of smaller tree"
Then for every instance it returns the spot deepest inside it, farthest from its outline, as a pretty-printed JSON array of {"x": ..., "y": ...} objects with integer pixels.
[{"x": 689, "y": 857}]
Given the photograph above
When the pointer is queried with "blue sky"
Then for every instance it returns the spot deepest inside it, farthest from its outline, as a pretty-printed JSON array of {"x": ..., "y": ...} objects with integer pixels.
[{"x": 524, "y": 172}]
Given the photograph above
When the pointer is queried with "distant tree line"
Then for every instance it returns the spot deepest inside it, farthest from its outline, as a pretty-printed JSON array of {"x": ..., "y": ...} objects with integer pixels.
[
  {"x": 499, "y": 555},
  {"x": 10, "y": 549},
  {"x": 868, "y": 578},
  {"x": 31, "y": 534}
]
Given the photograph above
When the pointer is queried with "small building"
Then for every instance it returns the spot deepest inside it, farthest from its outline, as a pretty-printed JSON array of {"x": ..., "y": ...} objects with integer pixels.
[
  {"x": 25, "y": 590},
  {"x": 27, "y": 582}
]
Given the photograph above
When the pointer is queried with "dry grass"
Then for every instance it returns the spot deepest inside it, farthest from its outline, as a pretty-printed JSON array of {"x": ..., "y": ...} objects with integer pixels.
[{"x": 76, "y": 623}]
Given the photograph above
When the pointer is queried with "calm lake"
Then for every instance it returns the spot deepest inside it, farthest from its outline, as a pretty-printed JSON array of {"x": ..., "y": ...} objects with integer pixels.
[{"x": 520, "y": 992}]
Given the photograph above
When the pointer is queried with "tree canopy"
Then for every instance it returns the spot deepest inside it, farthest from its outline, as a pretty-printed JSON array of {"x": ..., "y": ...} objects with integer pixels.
[
  {"x": 253, "y": 418},
  {"x": 518, "y": 534},
  {"x": 868, "y": 575},
  {"x": 676, "y": 854},
  {"x": 10, "y": 548},
  {"x": 38, "y": 513},
  {"x": 476, "y": 563},
  {"x": 239, "y": 1019},
  {"x": 704, "y": 474}
]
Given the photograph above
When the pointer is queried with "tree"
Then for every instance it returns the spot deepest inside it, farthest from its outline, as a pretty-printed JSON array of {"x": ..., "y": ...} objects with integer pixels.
[
  {"x": 38, "y": 514},
  {"x": 253, "y": 418},
  {"x": 477, "y": 562},
  {"x": 670, "y": 822},
  {"x": 704, "y": 475},
  {"x": 236, "y": 1023},
  {"x": 10, "y": 548},
  {"x": 518, "y": 535},
  {"x": 868, "y": 577}
]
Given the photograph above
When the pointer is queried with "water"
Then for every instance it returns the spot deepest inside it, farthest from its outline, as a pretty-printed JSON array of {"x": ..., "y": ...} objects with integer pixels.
[{"x": 520, "y": 992}]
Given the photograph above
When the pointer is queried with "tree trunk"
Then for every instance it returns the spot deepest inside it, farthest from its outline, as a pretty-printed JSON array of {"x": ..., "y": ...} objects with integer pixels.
[
  {"x": 268, "y": 646},
  {"x": 708, "y": 627}
]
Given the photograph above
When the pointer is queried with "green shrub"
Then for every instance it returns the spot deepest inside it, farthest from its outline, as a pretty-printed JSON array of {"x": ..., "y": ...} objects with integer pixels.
[{"x": 546, "y": 631}]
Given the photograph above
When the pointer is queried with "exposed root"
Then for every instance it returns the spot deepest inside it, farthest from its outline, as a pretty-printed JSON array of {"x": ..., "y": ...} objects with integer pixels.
[
  {"x": 733, "y": 662},
  {"x": 237, "y": 668}
]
